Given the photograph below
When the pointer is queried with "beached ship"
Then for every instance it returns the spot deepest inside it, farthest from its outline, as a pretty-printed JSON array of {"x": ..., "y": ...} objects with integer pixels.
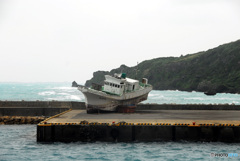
[{"x": 118, "y": 92}]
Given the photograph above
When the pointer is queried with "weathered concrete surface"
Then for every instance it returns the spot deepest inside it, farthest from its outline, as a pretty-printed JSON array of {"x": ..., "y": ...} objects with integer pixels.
[
  {"x": 37, "y": 108},
  {"x": 44, "y": 104},
  {"x": 153, "y": 116},
  {"x": 129, "y": 133},
  {"x": 81, "y": 105},
  {"x": 30, "y": 111},
  {"x": 49, "y": 108},
  {"x": 187, "y": 107},
  {"x": 77, "y": 125}
]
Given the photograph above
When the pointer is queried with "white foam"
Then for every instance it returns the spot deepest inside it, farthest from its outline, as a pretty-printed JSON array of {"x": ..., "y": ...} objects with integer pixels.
[
  {"x": 194, "y": 98},
  {"x": 64, "y": 94},
  {"x": 47, "y": 93},
  {"x": 74, "y": 97},
  {"x": 235, "y": 102},
  {"x": 64, "y": 88},
  {"x": 67, "y": 97},
  {"x": 158, "y": 97},
  {"x": 152, "y": 95}
]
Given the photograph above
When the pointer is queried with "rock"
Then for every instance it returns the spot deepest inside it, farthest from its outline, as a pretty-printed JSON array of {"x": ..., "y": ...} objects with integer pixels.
[
  {"x": 210, "y": 93},
  {"x": 207, "y": 87},
  {"x": 74, "y": 84}
]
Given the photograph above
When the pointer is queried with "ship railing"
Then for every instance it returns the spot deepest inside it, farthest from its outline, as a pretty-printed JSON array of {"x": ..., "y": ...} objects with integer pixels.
[
  {"x": 96, "y": 86},
  {"x": 144, "y": 85}
]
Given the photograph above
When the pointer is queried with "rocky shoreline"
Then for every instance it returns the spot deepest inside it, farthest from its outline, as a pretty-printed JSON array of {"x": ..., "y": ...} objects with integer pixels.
[{"x": 10, "y": 120}]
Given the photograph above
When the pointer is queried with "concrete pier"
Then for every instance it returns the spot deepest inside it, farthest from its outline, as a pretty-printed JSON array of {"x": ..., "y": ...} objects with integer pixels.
[
  {"x": 147, "y": 125},
  {"x": 150, "y": 122}
]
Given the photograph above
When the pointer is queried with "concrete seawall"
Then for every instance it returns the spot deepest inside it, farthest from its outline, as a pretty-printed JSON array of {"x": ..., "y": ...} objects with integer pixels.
[
  {"x": 77, "y": 125},
  {"x": 151, "y": 122},
  {"x": 50, "y": 108},
  {"x": 43, "y": 104},
  {"x": 128, "y": 133},
  {"x": 30, "y": 111},
  {"x": 37, "y": 108},
  {"x": 187, "y": 107}
]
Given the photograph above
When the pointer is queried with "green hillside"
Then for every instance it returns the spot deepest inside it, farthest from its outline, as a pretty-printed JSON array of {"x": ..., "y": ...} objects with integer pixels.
[{"x": 217, "y": 69}]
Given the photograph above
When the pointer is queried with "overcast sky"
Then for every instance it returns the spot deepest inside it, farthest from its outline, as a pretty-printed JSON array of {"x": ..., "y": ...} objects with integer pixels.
[{"x": 66, "y": 40}]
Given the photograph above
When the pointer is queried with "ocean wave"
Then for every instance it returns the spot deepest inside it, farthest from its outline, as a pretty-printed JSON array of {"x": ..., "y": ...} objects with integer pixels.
[
  {"x": 194, "y": 98},
  {"x": 47, "y": 93},
  {"x": 67, "y": 98},
  {"x": 74, "y": 97},
  {"x": 235, "y": 102},
  {"x": 64, "y": 94},
  {"x": 64, "y": 88},
  {"x": 229, "y": 98},
  {"x": 155, "y": 95}
]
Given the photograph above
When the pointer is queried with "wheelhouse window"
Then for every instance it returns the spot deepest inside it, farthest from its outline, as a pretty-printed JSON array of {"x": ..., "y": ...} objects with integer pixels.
[{"x": 113, "y": 85}]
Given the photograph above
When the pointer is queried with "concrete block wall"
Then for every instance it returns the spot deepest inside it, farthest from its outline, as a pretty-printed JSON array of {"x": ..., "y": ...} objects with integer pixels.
[
  {"x": 53, "y": 104},
  {"x": 187, "y": 107},
  {"x": 30, "y": 111},
  {"x": 136, "y": 133},
  {"x": 37, "y": 108}
]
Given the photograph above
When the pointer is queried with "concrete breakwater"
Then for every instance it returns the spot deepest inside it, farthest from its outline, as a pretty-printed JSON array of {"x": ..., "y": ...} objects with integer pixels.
[
  {"x": 129, "y": 132},
  {"x": 51, "y": 108},
  {"x": 33, "y": 112},
  {"x": 187, "y": 107},
  {"x": 65, "y": 105},
  {"x": 150, "y": 122},
  {"x": 30, "y": 111},
  {"x": 37, "y": 108},
  {"x": 157, "y": 125},
  {"x": 8, "y": 120},
  {"x": 43, "y": 104}
]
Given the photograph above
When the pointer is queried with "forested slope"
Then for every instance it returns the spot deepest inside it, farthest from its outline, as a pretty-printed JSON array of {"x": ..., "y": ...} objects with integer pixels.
[{"x": 216, "y": 69}]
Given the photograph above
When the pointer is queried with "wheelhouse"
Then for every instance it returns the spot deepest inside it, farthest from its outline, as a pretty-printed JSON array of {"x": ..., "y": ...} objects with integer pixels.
[{"x": 119, "y": 84}]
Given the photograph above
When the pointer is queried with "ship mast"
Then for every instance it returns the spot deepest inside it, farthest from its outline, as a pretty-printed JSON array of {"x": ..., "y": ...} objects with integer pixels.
[{"x": 136, "y": 71}]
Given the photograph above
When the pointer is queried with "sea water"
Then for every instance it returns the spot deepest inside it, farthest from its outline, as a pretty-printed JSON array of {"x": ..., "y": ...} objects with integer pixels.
[
  {"x": 64, "y": 92},
  {"x": 18, "y": 142}
]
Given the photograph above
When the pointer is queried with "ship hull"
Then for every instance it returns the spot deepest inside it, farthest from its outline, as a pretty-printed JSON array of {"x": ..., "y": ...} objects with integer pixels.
[{"x": 97, "y": 101}]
